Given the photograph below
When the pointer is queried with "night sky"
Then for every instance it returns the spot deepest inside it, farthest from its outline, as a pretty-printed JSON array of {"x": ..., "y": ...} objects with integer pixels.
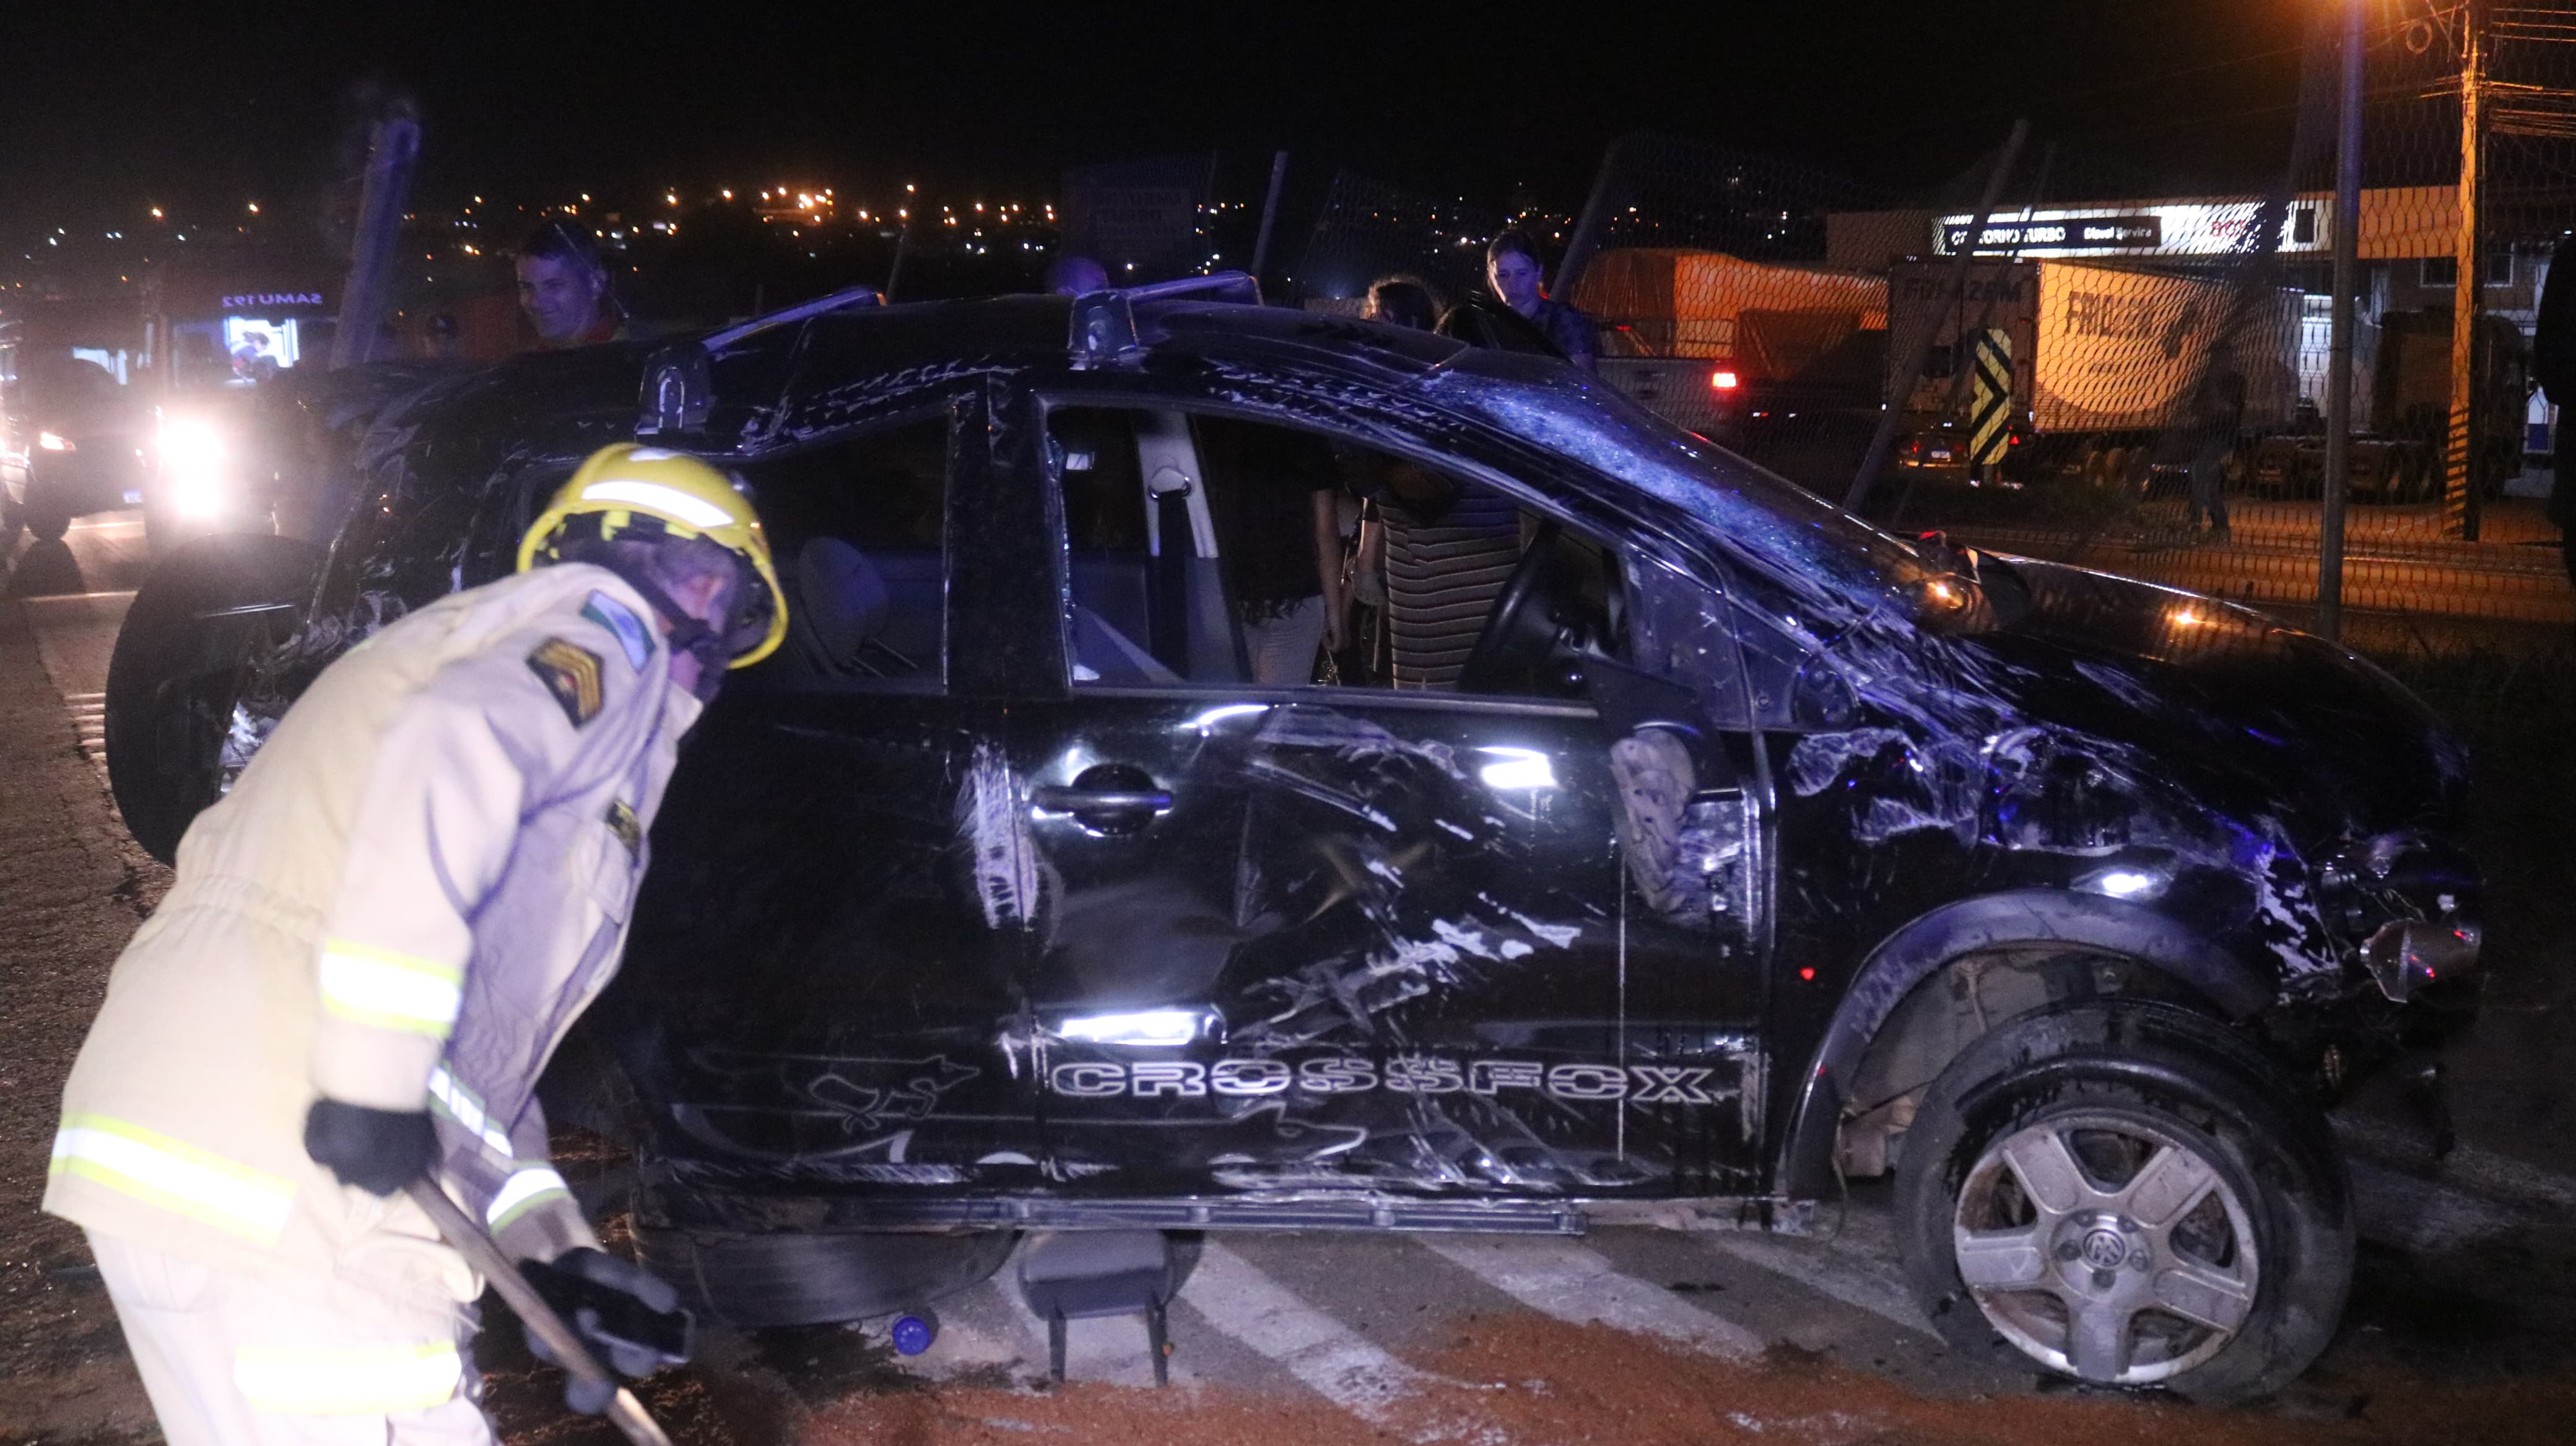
[{"x": 106, "y": 108}]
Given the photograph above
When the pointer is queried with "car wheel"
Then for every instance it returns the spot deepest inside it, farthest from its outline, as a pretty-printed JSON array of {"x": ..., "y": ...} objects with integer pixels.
[
  {"x": 2125, "y": 1192},
  {"x": 176, "y": 678},
  {"x": 758, "y": 1281},
  {"x": 47, "y": 521}
]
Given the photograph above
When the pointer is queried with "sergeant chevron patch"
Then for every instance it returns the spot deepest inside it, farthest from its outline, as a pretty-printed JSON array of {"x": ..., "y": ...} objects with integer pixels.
[{"x": 571, "y": 673}]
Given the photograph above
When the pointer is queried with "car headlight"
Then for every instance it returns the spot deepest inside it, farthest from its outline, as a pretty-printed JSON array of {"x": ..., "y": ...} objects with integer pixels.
[
  {"x": 192, "y": 460},
  {"x": 55, "y": 442}
]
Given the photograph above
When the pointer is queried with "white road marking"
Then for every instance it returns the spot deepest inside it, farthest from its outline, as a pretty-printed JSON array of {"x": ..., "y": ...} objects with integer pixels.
[
  {"x": 1233, "y": 1296},
  {"x": 1831, "y": 1270},
  {"x": 2398, "y": 1209},
  {"x": 1571, "y": 1283},
  {"x": 2483, "y": 1171}
]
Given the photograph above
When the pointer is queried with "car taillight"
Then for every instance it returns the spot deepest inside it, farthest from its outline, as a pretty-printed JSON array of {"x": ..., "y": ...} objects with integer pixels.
[{"x": 1722, "y": 381}]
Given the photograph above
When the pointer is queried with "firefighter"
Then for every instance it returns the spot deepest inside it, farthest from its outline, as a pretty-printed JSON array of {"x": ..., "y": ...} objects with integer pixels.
[{"x": 374, "y": 943}]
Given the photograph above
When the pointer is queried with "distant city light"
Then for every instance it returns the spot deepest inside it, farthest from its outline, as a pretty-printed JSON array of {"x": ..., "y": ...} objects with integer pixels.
[
  {"x": 156, "y": 213},
  {"x": 254, "y": 208}
]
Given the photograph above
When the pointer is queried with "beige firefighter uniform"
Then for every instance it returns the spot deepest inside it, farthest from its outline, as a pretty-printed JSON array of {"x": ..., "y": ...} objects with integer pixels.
[{"x": 418, "y": 883}]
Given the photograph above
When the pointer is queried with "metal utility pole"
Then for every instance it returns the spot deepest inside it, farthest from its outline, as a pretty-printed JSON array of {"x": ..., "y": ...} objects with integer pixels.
[
  {"x": 2347, "y": 268},
  {"x": 2460, "y": 500},
  {"x": 1595, "y": 218},
  {"x": 1892, "y": 414},
  {"x": 1269, "y": 216},
  {"x": 394, "y": 150}
]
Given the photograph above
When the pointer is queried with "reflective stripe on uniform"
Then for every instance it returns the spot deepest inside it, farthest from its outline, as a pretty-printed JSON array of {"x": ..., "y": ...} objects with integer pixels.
[
  {"x": 368, "y": 985},
  {"x": 459, "y": 1104},
  {"x": 175, "y": 1176},
  {"x": 347, "y": 1380},
  {"x": 523, "y": 1191}
]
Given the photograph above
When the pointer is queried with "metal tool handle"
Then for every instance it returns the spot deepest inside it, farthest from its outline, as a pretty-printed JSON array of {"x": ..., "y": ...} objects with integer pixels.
[{"x": 484, "y": 1253}]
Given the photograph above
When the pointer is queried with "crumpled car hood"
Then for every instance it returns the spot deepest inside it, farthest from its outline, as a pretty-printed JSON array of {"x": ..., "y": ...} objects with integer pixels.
[{"x": 2283, "y": 720}]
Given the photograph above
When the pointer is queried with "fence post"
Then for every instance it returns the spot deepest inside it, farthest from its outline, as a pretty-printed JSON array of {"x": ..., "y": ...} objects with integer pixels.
[
  {"x": 1269, "y": 216},
  {"x": 2347, "y": 265},
  {"x": 1892, "y": 411},
  {"x": 1587, "y": 227},
  {"x": 2461, "y": 504}
]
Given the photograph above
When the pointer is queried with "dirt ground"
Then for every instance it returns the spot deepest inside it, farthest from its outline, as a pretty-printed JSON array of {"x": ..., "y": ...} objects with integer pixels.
[
  {"x": 72, "y": 887},
  {"x": 1528, "y": 1381}
]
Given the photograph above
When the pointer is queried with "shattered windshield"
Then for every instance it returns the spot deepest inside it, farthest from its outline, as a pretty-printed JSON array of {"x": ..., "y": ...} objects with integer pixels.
[{"x": 1808, "y": 541}]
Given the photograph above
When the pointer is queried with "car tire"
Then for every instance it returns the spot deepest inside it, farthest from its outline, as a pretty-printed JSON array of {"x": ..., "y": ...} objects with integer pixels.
[
  {"x": 178, "y": 671},
  {"x": 48, "y": 522},
  {"x": 2216, "y": 1266},
  {"x": 759, "y": 1281}
]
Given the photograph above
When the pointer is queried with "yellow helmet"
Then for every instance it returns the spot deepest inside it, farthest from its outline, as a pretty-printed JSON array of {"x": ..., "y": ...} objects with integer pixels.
[{"x": 645, "y": 492}]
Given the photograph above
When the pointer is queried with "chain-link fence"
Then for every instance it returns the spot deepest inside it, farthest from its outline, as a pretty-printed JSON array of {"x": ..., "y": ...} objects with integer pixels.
[
  {"x": 1369, "y": 229},
  {"x": 2082, "y": 362}
]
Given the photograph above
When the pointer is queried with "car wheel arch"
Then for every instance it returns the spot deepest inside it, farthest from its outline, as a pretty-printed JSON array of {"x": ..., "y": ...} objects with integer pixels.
[{"x": 2036, "y": 927}]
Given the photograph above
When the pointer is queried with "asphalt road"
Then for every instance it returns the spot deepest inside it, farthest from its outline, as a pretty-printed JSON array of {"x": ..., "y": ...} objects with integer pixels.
[{"x": 2464, "y": 1312}]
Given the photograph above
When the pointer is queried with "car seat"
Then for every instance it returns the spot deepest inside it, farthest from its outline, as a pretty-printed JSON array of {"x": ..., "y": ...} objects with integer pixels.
[{"x": 841, "y": 606}]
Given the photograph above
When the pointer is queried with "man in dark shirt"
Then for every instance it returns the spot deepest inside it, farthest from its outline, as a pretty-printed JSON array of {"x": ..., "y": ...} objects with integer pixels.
[
  {"x": 1512, "y": 267},
  {"x": 2553, "y": 365}
]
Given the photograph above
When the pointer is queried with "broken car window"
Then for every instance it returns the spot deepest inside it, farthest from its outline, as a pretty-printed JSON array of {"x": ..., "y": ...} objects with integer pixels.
[
  {"x": 1208, "y": 550},
  {"x": 856, "y": 528}
]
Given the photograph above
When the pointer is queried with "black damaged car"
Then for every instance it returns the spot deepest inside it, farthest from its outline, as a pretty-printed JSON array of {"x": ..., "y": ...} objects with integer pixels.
[{"x": 1714, "y": 849}]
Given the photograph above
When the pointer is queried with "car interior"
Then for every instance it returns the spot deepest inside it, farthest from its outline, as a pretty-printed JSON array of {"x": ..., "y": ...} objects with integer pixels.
[
  {"x": 1167, "y": 521},
  {"x": 856, "y": 530}
]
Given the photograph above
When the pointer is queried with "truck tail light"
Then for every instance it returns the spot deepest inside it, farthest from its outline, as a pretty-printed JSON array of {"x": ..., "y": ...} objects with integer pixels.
[{"x": 1722, "y": 381}]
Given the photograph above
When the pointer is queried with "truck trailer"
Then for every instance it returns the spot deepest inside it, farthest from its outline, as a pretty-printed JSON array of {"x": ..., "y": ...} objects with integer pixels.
[{"x": 2095, "y": 361}]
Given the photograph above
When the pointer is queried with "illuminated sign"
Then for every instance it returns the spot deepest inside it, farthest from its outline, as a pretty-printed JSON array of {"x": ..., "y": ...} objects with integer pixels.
[
  {"x": 2090, "y": 233},
  {"x": 2186, "y": 228},
  {"x": 250, "y": 299}
]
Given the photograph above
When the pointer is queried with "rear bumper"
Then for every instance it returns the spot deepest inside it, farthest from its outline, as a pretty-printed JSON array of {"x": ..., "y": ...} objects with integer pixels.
[{"x": 80, "y": 483}]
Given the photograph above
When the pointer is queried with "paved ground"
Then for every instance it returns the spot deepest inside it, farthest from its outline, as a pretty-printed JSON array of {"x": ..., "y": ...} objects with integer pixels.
[{"x": 2463, "y": 1324}]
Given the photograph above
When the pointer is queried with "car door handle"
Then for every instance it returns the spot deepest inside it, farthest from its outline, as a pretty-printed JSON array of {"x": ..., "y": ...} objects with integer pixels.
[
  {"x": 1055, "y": 798},
  {"x": 1107, "y": 799}
]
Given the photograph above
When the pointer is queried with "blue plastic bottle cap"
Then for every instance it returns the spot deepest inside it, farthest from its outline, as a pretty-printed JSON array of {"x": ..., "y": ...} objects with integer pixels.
[{"x": 913, "y": 1335}]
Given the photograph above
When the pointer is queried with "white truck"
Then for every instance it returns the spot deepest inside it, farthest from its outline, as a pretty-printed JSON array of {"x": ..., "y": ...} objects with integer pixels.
[{"x": 2099, "y": 359}]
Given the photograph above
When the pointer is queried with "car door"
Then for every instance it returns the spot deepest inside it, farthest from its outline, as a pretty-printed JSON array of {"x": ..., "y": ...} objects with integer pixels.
[
  {"x": 816, "y": 988},
  {"x": 1304, "y": 934}
]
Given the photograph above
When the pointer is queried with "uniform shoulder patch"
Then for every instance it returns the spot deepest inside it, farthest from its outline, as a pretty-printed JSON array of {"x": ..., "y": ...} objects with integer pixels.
[
  {"x": 571, "y": 673},
  {"x": 628, "y": 828},
  {"x": 632, "y": 635}
]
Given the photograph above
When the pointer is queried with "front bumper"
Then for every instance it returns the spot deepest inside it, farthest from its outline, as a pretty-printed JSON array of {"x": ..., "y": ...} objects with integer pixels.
[{"x": 2411, "y": 902}]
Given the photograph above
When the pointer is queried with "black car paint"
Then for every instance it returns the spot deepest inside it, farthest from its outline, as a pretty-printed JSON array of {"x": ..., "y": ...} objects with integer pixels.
[{"x": 853, "y": 963}]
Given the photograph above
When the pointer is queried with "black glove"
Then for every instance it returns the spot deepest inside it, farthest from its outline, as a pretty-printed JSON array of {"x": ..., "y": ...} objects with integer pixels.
[
  {"x": 628, "y": 1317},
  {"x": 379, "y": 1151}
]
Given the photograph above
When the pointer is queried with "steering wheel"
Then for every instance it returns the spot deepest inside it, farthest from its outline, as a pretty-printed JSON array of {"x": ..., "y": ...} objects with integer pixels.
[{"x": 1526, "y": 646}]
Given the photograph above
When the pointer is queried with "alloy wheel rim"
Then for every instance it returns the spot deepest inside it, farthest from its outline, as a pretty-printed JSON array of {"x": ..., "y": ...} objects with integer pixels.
[{"x": 2106, "y": 1247}]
